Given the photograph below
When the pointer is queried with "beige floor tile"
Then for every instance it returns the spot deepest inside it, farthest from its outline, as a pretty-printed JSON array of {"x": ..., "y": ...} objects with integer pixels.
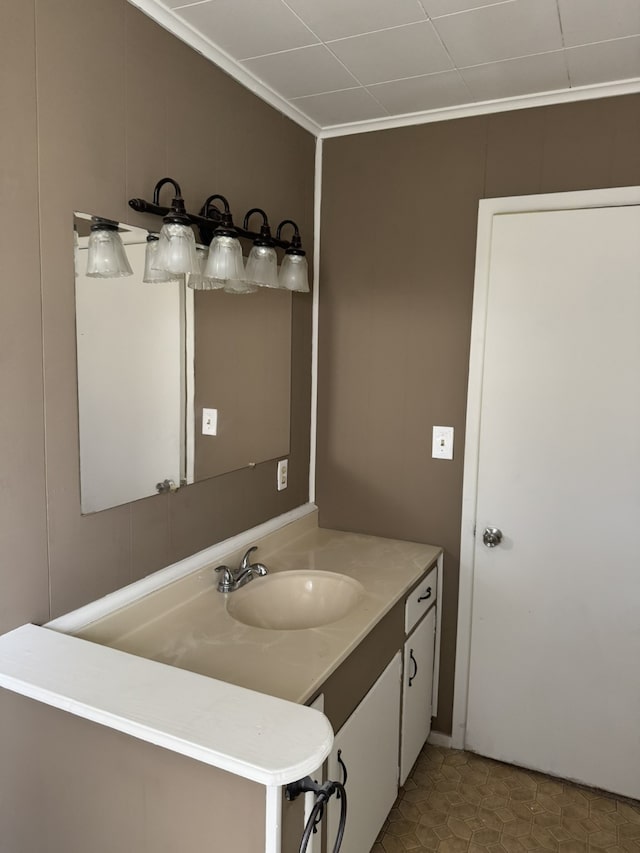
[{"x": 457, "y": 802}]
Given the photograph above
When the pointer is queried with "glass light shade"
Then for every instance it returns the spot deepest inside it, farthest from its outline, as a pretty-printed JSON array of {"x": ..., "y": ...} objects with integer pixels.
[
  {"x": 239, "y": 286},
  {"x": 177, "y": 249},
  {"x": 152, "y": 275},
  {"x": 294, "y": 273},
  {"x": 198, "y": 281},
  {"x": 225, "y": 259},
  {"x": 106, "y": 257},
  {"x": 262, "y": 266}
]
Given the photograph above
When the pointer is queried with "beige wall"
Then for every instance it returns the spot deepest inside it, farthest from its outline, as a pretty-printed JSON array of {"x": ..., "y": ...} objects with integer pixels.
[
  {"x": 77, "y": 787},
  {"x": 399, "y": 215},
  {"x": 98, "y": 103}
]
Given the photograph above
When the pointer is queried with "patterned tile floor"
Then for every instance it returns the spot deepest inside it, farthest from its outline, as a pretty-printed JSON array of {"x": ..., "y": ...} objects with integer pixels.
[{"x": 458, "y": 802}]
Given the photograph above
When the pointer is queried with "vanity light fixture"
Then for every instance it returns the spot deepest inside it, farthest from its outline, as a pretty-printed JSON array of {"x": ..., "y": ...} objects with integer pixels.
[
  {"x": 225, "y": 267},
  {"x": 294, "y": 272},
  {"x": 262, "y": 263},
  {"x": 106, "y": 257},
  {"x": 176, "y": 251}
]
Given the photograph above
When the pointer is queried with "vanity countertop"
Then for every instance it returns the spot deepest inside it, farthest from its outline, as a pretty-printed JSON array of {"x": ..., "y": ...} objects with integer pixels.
[
  {"x": 186, "y": 624},
  {"x": 190, "y": 664}
]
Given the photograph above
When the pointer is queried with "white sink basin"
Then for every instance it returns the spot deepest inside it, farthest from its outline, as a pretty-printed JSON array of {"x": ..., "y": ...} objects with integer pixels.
[{"x": 288, "y": 601}]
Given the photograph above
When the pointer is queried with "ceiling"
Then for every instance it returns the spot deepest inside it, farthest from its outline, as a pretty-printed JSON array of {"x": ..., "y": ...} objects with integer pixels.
[{"x": 345, "y": 65}]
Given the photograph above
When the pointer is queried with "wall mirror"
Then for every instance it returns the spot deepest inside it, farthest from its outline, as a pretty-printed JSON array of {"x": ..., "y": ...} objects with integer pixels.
[{"x": 152, "y": 357}]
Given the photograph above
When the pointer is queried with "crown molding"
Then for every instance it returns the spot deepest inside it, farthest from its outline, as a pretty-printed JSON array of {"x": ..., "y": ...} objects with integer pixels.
[
  {"x": 523, "y": 102},
  {"x": 166, "y": 19},
  {"x": 163, "y": 16}
]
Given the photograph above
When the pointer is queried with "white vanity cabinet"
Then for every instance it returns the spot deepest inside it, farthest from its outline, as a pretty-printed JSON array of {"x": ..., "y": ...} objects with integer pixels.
[
  {"x": 417, "y": 688},
  {"x": 367, "y": 746},
  {"x": 418, "y": 670}
]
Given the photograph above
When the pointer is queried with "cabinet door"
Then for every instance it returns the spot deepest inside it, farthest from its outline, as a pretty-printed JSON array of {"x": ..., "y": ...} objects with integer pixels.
[
  {"x": 368, "y": 746},
  {"x": 416, "y": 692}
]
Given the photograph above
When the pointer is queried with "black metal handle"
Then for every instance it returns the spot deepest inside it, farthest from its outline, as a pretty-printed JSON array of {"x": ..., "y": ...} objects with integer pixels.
[
  {"x": 426, "y": 595},
  {"x": 415, "y": 670},
  {"x": 344, "y": 767}
]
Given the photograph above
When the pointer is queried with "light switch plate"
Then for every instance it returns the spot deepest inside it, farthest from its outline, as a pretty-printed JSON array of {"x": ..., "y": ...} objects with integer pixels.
[
  {"x": 209, "y": 421},
  {"x": 442, "y": 446}
]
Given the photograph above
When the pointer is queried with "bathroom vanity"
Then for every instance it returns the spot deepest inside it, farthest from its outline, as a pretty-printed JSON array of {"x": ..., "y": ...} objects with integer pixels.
[{"x": 165, "y": 662}]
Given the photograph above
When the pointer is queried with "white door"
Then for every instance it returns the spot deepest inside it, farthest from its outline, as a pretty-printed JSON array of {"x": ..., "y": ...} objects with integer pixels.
[{"x": 554, "y": 672}]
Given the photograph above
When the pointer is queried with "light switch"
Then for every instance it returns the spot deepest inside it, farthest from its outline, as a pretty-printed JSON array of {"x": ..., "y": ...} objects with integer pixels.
[
  {"x": 442, "y": 446},
  {"x": 209, "y": 421}
]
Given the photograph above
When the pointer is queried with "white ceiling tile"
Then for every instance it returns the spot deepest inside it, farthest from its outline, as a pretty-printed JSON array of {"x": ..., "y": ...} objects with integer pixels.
[
  {"x": 513, "y": 77},
  {"x": 430, "y": 92},
  {"x": 437, "y": 8},
  {"x": 306, "y": 71},
  {"x": 333, "y": 19},
  {"x": 585, "y": 21},
  {"x": 340, "y": 107},
  {"x": 245, "y": 28},
  {"x": 391, "y": 54},
  {"x": 604, "y": 62},
  {"x": 503, "y": 31}
]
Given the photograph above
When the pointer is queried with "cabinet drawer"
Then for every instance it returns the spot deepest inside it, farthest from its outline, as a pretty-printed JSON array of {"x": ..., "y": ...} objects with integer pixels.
[{"x": 420, "y": 600}]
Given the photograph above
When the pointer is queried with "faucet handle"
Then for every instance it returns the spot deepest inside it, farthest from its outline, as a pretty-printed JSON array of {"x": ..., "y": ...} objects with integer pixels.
[
  {"x": 246, "y": 560},
  {"x": 226, "y": 581}
]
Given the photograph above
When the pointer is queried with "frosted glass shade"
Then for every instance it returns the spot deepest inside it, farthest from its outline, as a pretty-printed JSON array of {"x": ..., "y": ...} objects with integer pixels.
[
  {"x": 238, "y": 285},
  {"x": 152, "y": 275},
  {"x": 198, "y": 281},
  {"x": 177, "y": 249},
  {"x": 294, "y": 273},
  {"x": 225, "y": 259},
  {"x": 106, "y": 257},
  {"x": 262, "y": 266}
]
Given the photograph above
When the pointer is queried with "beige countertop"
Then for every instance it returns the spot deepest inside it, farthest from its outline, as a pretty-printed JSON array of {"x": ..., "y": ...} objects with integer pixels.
[{"x": 186, "y": 624}]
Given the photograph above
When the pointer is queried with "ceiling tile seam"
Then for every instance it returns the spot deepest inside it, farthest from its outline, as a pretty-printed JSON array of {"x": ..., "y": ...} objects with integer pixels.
[
  {"x": 454, "y": 65},
  {"x": 457, "y": 70},
  {"x": 355, "y": 77},
  {"x": 473, "y": 9},
  {"x": 564, "y": 45},
  {"x": 333, "y": 41},
  {"x": 327, "y": 92},
  {"x": 189, "y": 5},
  {"x": 358, "y": 88}
]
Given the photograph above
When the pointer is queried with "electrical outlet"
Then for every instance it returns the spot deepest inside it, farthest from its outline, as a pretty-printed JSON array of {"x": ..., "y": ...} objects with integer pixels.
[
  {"x": 209, "y": 421},
  {"x": 283, "y": 473},
  {"x": 442, "y": 445}
]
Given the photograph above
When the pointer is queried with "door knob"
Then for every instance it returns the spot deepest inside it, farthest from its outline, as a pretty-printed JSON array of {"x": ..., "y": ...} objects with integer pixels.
[{"x": 492, "y": 536}]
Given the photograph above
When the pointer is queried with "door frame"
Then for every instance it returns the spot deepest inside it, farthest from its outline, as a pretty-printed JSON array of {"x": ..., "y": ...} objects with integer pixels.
[{"x": 488, "y": 208}]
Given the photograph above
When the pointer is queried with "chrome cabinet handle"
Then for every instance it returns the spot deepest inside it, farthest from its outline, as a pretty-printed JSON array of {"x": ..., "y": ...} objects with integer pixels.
[
  {"x": 492, "y": 536},
  {"x": 415, "y": 667}
]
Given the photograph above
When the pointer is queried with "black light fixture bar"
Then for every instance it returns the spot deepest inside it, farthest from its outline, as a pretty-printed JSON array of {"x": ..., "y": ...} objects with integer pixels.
[{"x": 209, "y": 218}]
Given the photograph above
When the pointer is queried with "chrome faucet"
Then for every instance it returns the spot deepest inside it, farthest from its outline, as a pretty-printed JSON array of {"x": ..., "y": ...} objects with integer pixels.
[{"x": 246, "y": 572}]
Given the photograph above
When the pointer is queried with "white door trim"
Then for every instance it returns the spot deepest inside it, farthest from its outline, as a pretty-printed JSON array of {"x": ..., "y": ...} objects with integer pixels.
[{"x": 488, "y": 208}]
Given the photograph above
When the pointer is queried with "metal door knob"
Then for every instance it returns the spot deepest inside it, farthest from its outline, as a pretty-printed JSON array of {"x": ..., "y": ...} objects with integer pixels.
[{"x": 492, "y": 536}]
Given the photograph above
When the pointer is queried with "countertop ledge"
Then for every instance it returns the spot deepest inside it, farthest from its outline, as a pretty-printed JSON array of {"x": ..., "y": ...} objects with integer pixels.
[{"x": 264, "y": 739}]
